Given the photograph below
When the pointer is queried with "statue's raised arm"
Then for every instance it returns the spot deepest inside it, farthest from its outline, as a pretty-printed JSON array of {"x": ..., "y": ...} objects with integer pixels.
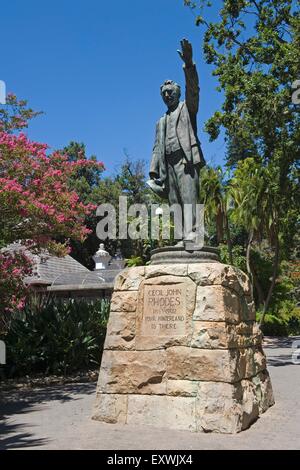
[
  {"x": 186, "y": 52},
  {"x": 191, "y": 80}
]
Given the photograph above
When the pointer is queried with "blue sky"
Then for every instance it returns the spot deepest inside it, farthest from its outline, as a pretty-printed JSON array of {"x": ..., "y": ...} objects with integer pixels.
[{"x": 94, "y": 67}]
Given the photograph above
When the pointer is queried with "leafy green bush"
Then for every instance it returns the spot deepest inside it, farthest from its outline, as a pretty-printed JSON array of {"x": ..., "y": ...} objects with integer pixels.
[
  {"x": 285, "y": 322},
  {"x": 134, "y": 261},
  {"x": 56, "y": 337},
  {"x": 239, "y": 258},
  {"x": 272, "y": 326},
  {"x": 290, "y": 314}
]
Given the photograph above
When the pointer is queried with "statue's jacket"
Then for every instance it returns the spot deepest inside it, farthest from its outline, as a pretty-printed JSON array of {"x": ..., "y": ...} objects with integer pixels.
[{"x": 186, "y": 130}]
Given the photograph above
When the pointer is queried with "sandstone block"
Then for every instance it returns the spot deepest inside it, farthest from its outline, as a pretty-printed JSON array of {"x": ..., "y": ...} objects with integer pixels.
[
  {"x": 226, "y": 408},
  {"x": 129, "y": 278},
  {"x": 162, "y": 411},
  {"x": 133, "y": 372},
  {"x": 251, "y": 362},
  {"x": 166, "y": 269},
  {"x": 215, "y": 365},
  {"x": 111, "y": 408},
  {"x": 183, "y": 388},
  {"x": 117, "y": 342},
  {"x": 123, "y": 324},
  {"x": 221, "y": 335},
  {"x": 263, "y": 390},
  {"x": 218, "y": 407},
  {"x": 205, "y": 274},
  {"x": 250, "y": 312},
  {"x": 124, "y": 301},
  {"x": 250, "y": 406},
  {"x": 217, "y": 303}
]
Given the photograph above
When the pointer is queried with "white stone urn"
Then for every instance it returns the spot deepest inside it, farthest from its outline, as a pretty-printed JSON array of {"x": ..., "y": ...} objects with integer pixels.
[{"x": 101, "y": 258}]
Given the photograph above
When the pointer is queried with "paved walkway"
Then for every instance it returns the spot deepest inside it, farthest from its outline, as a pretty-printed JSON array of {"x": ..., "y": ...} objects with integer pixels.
[{"x": 58, "y": 417}]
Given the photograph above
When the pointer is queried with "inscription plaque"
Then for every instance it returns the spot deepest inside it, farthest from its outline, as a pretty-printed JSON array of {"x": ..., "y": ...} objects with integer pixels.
[{"x": 164, "y": 310}]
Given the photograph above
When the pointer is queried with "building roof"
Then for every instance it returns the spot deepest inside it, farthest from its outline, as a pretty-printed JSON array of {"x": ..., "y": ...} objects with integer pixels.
[
  {"x": 103, "y": 279},
  {"x": 63, "y": 273}
]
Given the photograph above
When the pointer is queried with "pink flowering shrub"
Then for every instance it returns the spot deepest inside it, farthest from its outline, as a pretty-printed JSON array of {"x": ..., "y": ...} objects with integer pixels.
[
  {"x": 35, "y": 200},
  {"x": 14, "y": 267},
  {"x": 15, "y": 114},
  {"x": 37, "y": 205}
]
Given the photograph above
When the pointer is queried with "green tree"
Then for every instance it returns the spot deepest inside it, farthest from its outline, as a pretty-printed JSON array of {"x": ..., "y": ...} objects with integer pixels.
[
  {"x": 132, "y": 183},
  {"x": 254, "y": 51},
  {"x": 86, "y": 178},
  {"x": 85, "y": 181},
  {"x": 254, "y": 191},
  {"x": 15, "y": 114},
  {"x": 214, "y": 198},
  {"x": 129, "y": 181}
]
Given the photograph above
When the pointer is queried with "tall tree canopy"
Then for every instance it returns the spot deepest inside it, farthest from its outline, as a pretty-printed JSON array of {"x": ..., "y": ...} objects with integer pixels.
[{"x": 253, "y": 48}]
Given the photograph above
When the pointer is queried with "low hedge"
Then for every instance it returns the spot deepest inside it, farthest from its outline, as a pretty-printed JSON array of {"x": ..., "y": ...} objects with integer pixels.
[{"x": 58, "y": 337}]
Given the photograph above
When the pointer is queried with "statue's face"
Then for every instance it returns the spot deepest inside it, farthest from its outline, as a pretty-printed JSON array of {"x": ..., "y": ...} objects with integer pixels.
[{"x": 170, "y": 95}]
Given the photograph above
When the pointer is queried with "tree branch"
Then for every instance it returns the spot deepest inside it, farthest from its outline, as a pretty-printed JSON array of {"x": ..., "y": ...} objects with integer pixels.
[
  {"x": 250, "y": 13},
  {"x": 257, "y": 7}
]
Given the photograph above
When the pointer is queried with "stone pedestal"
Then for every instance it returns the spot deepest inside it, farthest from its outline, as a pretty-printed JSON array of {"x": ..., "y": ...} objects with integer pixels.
[{"x": 183, "y": 350}]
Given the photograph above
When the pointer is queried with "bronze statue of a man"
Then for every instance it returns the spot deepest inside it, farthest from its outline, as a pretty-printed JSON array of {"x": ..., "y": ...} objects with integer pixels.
[{"x": 177, "y": 156}]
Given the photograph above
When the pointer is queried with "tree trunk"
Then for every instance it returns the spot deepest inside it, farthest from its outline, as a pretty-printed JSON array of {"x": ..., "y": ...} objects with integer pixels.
[
  {"x": 219, "y": 225},
  {"x": 274, "y": 277},
  {"x": 228, "y": 238},
  {"x": 257, "y": 286}
]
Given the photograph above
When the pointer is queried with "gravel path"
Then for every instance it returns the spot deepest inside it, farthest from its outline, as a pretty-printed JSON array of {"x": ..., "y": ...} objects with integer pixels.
[{"x": 58, "y": 417}]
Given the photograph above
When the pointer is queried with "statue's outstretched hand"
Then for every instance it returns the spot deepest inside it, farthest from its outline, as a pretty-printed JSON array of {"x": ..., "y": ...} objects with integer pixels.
[{"x": 186, "y": 52}]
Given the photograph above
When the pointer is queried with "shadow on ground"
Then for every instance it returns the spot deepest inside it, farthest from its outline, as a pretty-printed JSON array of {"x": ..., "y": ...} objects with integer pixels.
[
  {"x": 26, "y": 401},
  {"x": 279, "y": 361},
  {"x": 278, "y": 342},
  {"x": 274, "y": 347}
]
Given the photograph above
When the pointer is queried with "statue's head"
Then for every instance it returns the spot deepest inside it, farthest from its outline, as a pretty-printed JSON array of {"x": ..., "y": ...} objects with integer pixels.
[{"x": 170, "y": 92}]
